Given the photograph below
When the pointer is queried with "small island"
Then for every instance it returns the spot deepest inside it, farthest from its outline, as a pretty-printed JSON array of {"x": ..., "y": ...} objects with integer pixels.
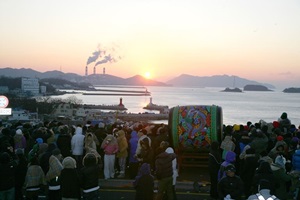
[
  {"x": 291, "y": 90},
  {"x": 232, "y": 90},
  {"x": 256, "y": 88}
]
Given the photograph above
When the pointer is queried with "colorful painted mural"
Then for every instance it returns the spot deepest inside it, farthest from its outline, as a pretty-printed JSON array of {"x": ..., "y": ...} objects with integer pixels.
[{"x": 194, "y": 127}]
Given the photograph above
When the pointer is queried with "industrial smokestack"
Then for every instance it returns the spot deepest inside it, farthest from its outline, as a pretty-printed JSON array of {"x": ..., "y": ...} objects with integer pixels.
[
  {"x": 94, "y": 70},
  {"x": 86, "y": 71},
  {"x": 103, "y": 70}
]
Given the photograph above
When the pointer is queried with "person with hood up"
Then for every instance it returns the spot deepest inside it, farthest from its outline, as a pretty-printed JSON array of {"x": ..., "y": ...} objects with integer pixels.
[
  {"x": 229, "y": 159},
  {"x": 110, "y": 147},
  {"x": 164, "y": 173},
  {"x": 69, "y": 179},
  {"x": 90, "y": 144},
  {"x": 63, "y": 141},
  {"x": 34, "y": 179},
  {"x": 284, "y": 123},
  {"x": 122, "y": 153},
  {"x": 174, "y": 166},
  {"x": 20, "y": 140},
  {"x": 144, "y": 183},
  {"x": 89, "y": 174},
  {"x": 227, "y": 145},
  {"x": 53, "y": 175},
  {"x": 133, "y": 161},
  {"x": 281, "y": 177},
  {"x": 77, "y": 145}
]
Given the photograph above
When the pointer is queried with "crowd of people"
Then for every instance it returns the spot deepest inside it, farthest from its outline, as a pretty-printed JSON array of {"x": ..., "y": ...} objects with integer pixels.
[
  {"x": 256, "y": 161},
  {"x": 65, "y": 162}
]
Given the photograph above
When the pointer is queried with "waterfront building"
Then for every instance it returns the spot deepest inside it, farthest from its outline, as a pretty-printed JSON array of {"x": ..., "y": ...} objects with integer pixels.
[{"x": 30, "y": 85}]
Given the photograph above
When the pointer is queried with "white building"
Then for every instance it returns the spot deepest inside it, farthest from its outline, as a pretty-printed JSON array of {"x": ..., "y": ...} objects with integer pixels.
[{"x": 30, "y": 85}]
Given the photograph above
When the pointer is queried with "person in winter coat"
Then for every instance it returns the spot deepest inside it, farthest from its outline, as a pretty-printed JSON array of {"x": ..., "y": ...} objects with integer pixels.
[
  {"x": 214, "y": 162},
  {"x": 227, "y": 145},
  {"x": 90, "y": 144},
  {"x": 19, "y": 140},
  {"x": 20, "y": 174},
  {"x": 248, "y": 170},
  {"x": 89, "y": 177},
  {"x": 63, "y": 141},
  {"x": 281, "y": 177},
  {"x": 230, "y": 159},
  {"x": 296, "y": 160},
  {"x": 77, "y": 145},
  {"x": 69, "y": 179},
  {"x": 53, "y": 175},
  {"x": 263, "y": 172},
  {"x": 164, "y": 174},
  {"x": 147, "y": 153},
  {"x": 264, "y": 191},
  {"x": 174, "y": 166},
  {"x": 133, "y": 162},
  {"x": 231, "y": 186},
  {"x": 110, "y": 147},
  {"x": 122, "y": 153},
  {"x": 144, "y": 183},
  {"x": 7, "y": 174},
  {"x": 34, "y": 180},
  {"x": 284, "y": 123}
]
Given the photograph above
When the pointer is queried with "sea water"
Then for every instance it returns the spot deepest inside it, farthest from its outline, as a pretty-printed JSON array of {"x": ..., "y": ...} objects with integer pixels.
[{"x": 238, "y": 108}]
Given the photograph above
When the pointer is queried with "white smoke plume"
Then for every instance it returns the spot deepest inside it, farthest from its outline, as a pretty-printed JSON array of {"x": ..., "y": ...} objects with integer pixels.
[
  {"x": 106, "y": 59},
  {"x": 95, "y": 56}
]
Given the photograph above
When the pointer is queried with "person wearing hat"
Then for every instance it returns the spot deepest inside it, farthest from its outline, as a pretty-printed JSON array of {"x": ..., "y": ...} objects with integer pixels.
[
  {"x": 264, "y": 189},
  {"x": 231, "y": 186},
  {"x": 70, "y": 179},
  {"x": 20, "y": 140},
  {"x": 53, "y": 175},
  {"x": 142, "y": 134},
  {"x": 281, "y": 177}
]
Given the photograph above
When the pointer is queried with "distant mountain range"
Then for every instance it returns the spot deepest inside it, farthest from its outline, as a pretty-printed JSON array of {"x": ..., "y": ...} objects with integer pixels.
[{"x": 183, "y": 80}]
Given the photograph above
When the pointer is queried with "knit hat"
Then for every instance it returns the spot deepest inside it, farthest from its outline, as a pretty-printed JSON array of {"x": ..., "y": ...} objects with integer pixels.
[
  {"x": 19, "y": 132},
  {"x": 230, "y": 168},
  {"x": 279, "y": 138},
  {"x": 39, "y": 140},
  {"x": 280, "y": 160},
  {"x": 275, "y": 124},
  {"x": 283, "y": 115},
  {"x": 69, "y": 163}
]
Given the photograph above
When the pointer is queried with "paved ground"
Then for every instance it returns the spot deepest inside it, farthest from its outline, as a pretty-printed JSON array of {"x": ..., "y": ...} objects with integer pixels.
[{"x": 185, "y": 181}]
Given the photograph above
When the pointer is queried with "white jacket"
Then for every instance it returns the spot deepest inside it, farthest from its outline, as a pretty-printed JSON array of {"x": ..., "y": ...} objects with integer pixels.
[{"x": 77, "y": 142}]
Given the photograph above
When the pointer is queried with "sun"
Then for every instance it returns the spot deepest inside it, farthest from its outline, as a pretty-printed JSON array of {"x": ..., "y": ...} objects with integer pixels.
[{"x": 147, "y": 75}]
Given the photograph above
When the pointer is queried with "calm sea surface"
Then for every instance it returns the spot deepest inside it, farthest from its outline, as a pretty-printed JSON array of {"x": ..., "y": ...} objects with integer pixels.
[{"x": 237, "y": 107}]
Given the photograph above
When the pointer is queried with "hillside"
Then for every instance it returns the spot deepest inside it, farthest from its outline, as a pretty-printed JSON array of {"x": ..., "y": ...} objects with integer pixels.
[
  {"x": 183, "y": 80},
  {"x": 213, "y": 81}
]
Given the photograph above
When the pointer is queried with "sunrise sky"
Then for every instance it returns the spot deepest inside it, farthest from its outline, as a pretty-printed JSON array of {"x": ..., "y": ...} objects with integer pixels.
[{"x": 254, "y": 39}]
